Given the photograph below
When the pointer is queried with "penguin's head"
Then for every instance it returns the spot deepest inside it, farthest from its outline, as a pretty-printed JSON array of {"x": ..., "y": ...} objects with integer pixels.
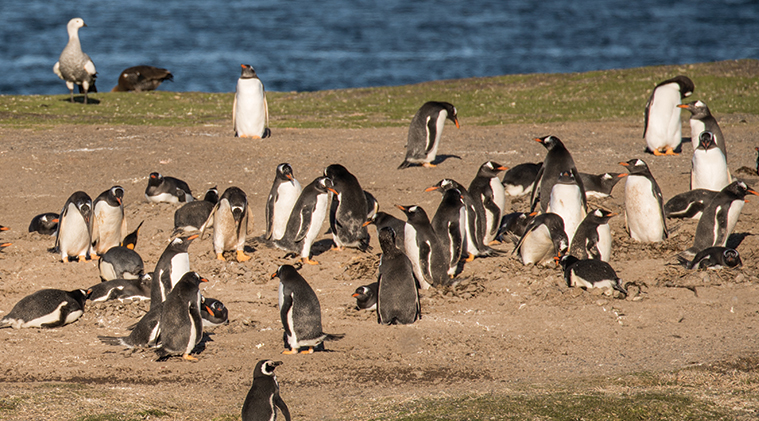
[
  {"x": 265, "y": 368},
  {"x": 698, "y": 109},
  {"x": 706, "y": 141},
  {"x": 193, "y": 278},
  {"x": 414, "y": 213},
  {"x": 325, "y": 184},
  {"x": 732, "y": 258},
  {"x": 336, "y": 172},
  {"x": 284, "y": 270},
  {"x": 116, "y": 195},
  {"x": 130, "y": 241},
  {"x": 362, "y": 293},
  {"x": 285, "y": 171},
  {"x": 248, "y": 72},
  {"x": 566, "y": 261},
  {"x": 491, "y": 169},
  {"x": 603, "y": 214},
  {"x": 635, "y": 166},
  {"x": 155, "y": 179},
  {"x": 181, "y": 244},
  {"x": 453, "y": 114},
  {"x": 740, "y": 189},
  {"x": 549, "y": 142},
  {"x": 686, "y": 85}
]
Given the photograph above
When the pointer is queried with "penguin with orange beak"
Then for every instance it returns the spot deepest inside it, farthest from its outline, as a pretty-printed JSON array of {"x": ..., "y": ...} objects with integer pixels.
[{"x": 109, "y": 225}]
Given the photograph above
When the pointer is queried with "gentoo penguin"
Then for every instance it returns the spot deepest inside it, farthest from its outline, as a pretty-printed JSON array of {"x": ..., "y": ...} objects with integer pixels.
[
  {"x": 689, "y": 204},
  {"x": 592, "y": 239},
  {"x": 130, "y": 240},
  {"x": 121, "y": 263},
  {"x": 701, "y": 120},
  {"x": 543, "y": 240},
  {"x": 167, "y": 189},
  {"x": 449, "y": 224},
  {"x": 74, "y": 66},
  {"x": 282, "y": 197},
  {"x": 181, "y": 324},
  {"x": 514, "y": 225},
  {"x": 425, "y": 131},
  {"x": 719, "y": 218},
  {"x": 109, "y": 225},
  {"x": 213, "y": 312},
  {"x": 568, "y": 201},
  {"x": 171, "y": 266},
  {"x": 557, "y": 160},
  {"x": 709, "y": 166},
  {"x": 599, "y": 186},
  {"x": 590, "y": 274},
  {"x": 191, "y": 216},
  {"x": 145, "y": 333},
  {"x": 141, "y": 78},
  {"x": 366, "y": 296},
  {"x": 348, "y": 209},
  {"x": 46, "y": 308},
  {"x": 372, "y": 205},
  {"x": 45, "y": 224},
  {"x": 397, "y": 294},
  {"x": 644, "y": 205},
  {"x": 489, "y": 198},
  {"x": 306, "y": 219},
  {"x": 663, "y": 129},
  {"x": 263, "y": 395},
  {"x": 120, "y": 289},
  {"x": 383, "y": 219},
  {"x": 713, "y": 258},
  {"x": 250, "y": 113},
  {"x": 74, "y": 237},
  {"x": 519, "y": 180},
  {"x": 300, "y": 312},
  {"x": 230, "y": 218},
  {"x": 423, "y": 248}
]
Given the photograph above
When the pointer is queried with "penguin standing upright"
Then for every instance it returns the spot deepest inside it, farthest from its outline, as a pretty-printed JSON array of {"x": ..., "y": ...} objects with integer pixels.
[
  {"x": 250, "y": 112},
  {"x": 425, "y": 131},
  {"x": 397, "y": 294},
  {"x": 592, "y": 239},
  {"x": 518, "y": 181},
  {"x": 489, "y": 198},
  {"x": 306, "y": 219},
  {"x": 644, "y": 205},
  {"x": 74, "y": 237},
  {"x": 423, "y": 249},
  {"x": 663, "y": 129},
  {"x": 557, "y": 160},
  {"x": 702, "y": 120},
  {"x": 46, "y": 308},
  {"x": 449, "y": 224},
  {"x": 282, "y": 197},
  {"x": 263, "y": 395},
  {"x": 191, "y": 216},
  {"x": 167, "y": 189},
  {"x": 544, "y": 239},
  {"x": 709, "y": 166},
  {"x": 171, "y": 266},
  {"x": 366, "y": 295},
  {"x": 109, "y": 225},
  {"x": 181, "y": 324},
  {"x": 568, "y": 201},
  {"x": 300, "y": 312},
  {"x": 229, "y": 219},
  {"x": 348, "y": 210},
  {"x": 45, "y": 223},
  {"x": 599, "y": 186}
]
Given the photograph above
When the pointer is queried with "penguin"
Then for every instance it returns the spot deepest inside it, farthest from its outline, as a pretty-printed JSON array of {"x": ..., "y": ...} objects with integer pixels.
[
  {"x": 592, "y": 239},
  {"x": 644, "y": 205},
  {"x": 397, "y": 294},
  {"x": 449, "y": 224},
  {"x": 568, "y": 201},
  {"x": 74, "y": 238},
  {"x": 191, "y": 216},
  {"x": 213, "y": 312},
  {"x": 109, "y": 224},
  {"x": 383, "y": 219},
  {"x": 263, "y": 396},
  {"x": 719, "y": 218},
  {"x": 250, "y": 112},
  {"x": 557, "y": 160},
  {"x": 590, "y": 274},
  {"x": 489, "y": 198},
  {"x": 230, "y": 218},
  {"x": 121, "y": 263},
  {"x": 709, "y": 166},
  {"x": 282, "y": 197},
  {"x": 172, "y": 265},
  {"x": 181, "y": 324},
  {"x": 46, "y": 308},
  {"x": 425, "y": 132},
  {"x": 713, "y": 258},
  {"x": 167, "y": 189},
  {"x": 424, "y": 249},
  {"x": 372, "y": 205},
  {"x": 689, "y": 204},
  {"x": 543, "y": 240},
  {"x": 300, "y": 312},
  {"x": 348, "y": 209},
  {"x": 306, "y": 219},
  {"x": 120, "y": 289},
  {"x": 702, "y": 120},
  {"x": 130, "y": 240},
  {"x": 662, "y": 126},
  {"x": 141, "y": 79},
  {"x": 519, "y": 180},
  {"x": 366, "y": 295},
  {"x": 145, "y": 333},
  {"x": 514, "y": 225},
  {"x": 599, "y": 186},
  {"x": 45, "y": 223}
]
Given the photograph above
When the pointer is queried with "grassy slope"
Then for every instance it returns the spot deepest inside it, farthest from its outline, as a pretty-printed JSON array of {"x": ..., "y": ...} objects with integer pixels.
[{"x": 728, "y": 87}]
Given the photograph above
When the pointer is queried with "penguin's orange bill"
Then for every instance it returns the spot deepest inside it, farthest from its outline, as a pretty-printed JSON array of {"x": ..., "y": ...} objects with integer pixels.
[
  {"x": 208, "y": 309},
  {"x": 456, "y": 122},
  {"x": 682, "y": 106},
  {"x": 429, "y": 189},
  {"x": 5, "y": 244},
  {"x": 203, "y": 279},
  {"x": 55, "y": 220},
  {"x": 403, "y": 208},
  {"x": 624, "y": 164},
  {"x": 533, "y": 213},
  {"x": 502, "y": 168},
  {"x": 539, "y": 140},
  {"x": 366, "y": 223},
  {"x": 623, "y": 174},
  {"x": 355, "y": 295},
  {"x": 273, "y": 275},
  {"x": 332, "y": 190},
  {"x": 4, "y": 228},
  {"x": 192, "y": 237}
]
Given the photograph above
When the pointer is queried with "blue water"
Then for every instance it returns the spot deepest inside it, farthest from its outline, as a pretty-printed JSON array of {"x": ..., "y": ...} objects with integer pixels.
[{"x": 306, "y": 45}]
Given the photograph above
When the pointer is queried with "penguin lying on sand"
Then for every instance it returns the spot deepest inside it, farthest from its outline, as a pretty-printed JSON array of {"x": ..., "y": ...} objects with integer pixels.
[
  {"x": 713, "y": 258},
  {"x": 366, "y": 297},
  {"x": 45, "y": 224},
  {"x": 519, "y": 180},
  {"x": 544, "y": 239},
  {"x": 213, "y": 312},
  {"x": 191, "y": 216},
  {"x": 590, "y": 274},
  {"x": 689, "y": 204},
  {"x": 167, "y": 189},
  {"x": 46, "y": 308},
  {"x": 120, "y": 289}
]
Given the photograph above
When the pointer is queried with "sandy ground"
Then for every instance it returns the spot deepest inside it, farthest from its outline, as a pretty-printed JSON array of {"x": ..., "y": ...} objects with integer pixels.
[{"x": 504, "y": 327}]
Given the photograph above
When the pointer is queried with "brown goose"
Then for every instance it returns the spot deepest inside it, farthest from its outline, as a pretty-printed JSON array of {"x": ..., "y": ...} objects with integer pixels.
[{"x": 142, "y": 78}]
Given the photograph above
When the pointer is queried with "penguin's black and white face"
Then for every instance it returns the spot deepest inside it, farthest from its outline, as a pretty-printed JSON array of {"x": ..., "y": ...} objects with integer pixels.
[
  {"x": 248, "y": 72},
  {"x": 606, "y": 176},
  {"x": 732, "y": 259},
  {"x": 446, "y": 183},
  {"x": 324, "y": 183},
  {"x": 285, "y": 171},
  {"x": 706, "y": 141},
  {"x": 268, "y": 367}
]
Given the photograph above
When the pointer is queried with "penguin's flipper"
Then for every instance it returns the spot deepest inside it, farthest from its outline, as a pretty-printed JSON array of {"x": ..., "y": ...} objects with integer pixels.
[
  {"x": 536, "y": 189},
  {"x": 305, "y": 222},
  {"x": 721, "y": 231},
  {"x": 209, "y": 221},
  {"x": 493, "y": 208},
  {"x": 248, "y": 220},
  {"x": 284, "y": 308},
  {"x": 578, "y": 180},
  {"x": 266, "y": 113},
  {"x": 234, "y": 115},
  {"x": 648, "y": 109},
  {"x": 282, "y": 407},
  {"x": 431, "y": 134}
]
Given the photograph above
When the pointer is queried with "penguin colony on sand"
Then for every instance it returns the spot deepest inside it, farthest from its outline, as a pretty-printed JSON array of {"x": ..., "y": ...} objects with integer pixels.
[{"x": 421, "y": 252}]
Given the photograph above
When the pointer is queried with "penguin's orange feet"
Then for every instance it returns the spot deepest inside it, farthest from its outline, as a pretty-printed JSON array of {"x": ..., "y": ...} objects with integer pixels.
[
  {"x": 309, "y": 261},
  {"x": 494, "y": 242},
  {"x": 94, "y": 256},
  {"x": 428, "y": 165},
  {"x": 657, "y": 152},
  {"x": 220, "y": 256},
  {"x": 310, "y": 350},
  {"x": 337, "y": 248},
  {"x": 670, "y": 152},
  {"x": 189, "y": 357},
  {"x": 82, "y": 258},
  {"x": 290, "y": 351},
  {"x": 242, "y": 257},
  {"x": 469, "y": 258}
]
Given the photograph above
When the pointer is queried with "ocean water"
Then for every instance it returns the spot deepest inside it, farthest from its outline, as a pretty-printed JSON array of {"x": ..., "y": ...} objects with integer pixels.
[{"x": 300, "y": 45}]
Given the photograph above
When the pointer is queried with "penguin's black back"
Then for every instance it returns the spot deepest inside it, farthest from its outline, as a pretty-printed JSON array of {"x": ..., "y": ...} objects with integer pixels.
[
  {"x": 306, "y": 311},
  {"x": 397, "y": 296},
  {"x": 45, "y": 302},
  {"x": 180, "y": 314},
  {"x": 44, "y": 224},
  {"x": 263, "y": 396}
]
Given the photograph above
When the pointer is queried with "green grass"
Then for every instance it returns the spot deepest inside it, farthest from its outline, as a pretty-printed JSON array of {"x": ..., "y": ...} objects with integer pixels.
[{"x": 730, "y": 87}]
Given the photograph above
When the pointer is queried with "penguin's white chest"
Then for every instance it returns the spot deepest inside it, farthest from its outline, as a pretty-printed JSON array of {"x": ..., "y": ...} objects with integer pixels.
[
  {"x": 664, "y": 126},
  {"x": 537, "y": 247},
  {"x": 642, "y": 210},
  {"x": 109, "y": 226},
  {"x": 74, "y": 234},
  {"x": 709, "y": 170},
  {"x": 736, "y": 206},
  {"x": 566, "y": 201},
  {"x": 287, "y": 195},
  {"x": 225, "y": 229},
  {"x": 696, "y": 128},
  {"x": 180, "y": 264},
  {"x": 250, "y": 112},
  {"x": 604, "y": 241},
  {"x": 413, "y": 253},
  {"x": 439, "y": 124},
  {"x": 317, "y": 219}
]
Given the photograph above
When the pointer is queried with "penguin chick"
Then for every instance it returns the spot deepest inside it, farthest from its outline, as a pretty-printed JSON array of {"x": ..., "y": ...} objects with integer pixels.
[
  {"x": 544, "y": 238},
  {"x": 366, "y": 297},
  {"x": 689, "y": 204},
  {"x": 120, "y": 263},
  {"x": 230, "y": 218},
  {"x": 425, "y": 132},
  {"x": 46, "y": 308},
  {"x": 45, "y": 224},
  {"x": 167, "y": 189},
  {"x": 590, "y": 274},
  {"x": 263, "y": 396},
  {"x": 513, "y": 226}
]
